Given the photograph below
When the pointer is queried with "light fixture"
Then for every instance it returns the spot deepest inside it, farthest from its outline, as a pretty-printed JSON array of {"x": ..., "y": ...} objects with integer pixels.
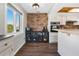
[
  {"x": 69, "y": 9},
  {"x": 35, "y": 5},
  {"x": 74, "y": 10}
]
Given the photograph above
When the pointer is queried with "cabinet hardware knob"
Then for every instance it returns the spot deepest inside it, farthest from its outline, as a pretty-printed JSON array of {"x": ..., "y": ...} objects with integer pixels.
[
  {"x": 11, "y": 49},
  {"x": 68, "y": 34},
  {"x": 5, "y": 44}
]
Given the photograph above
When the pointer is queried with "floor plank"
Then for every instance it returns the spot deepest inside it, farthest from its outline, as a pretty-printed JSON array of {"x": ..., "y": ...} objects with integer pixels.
[{"x": 38, "y": 49}]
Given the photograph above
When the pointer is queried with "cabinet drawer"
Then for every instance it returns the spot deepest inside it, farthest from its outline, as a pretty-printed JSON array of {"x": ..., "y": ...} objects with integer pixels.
[
  {"x": 4, "y": 44},
  {"x": 6, "y": 52}
]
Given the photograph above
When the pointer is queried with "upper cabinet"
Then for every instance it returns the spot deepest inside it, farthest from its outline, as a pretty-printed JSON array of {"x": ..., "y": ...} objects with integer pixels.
[
  {"x": 62, "y": 20},
  {"x": 57, "y": 18},
  {"x": 11, "y": 19},
  {"x": 54, "y": 18},
  {"x": 72, "y": 18}
]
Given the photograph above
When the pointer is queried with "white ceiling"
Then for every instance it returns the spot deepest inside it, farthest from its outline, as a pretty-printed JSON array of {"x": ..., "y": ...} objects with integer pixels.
[
  {"x": 58, "y": 6},
  {"x": 43, "y": 7},
  {"x": 47, "y": 7}
]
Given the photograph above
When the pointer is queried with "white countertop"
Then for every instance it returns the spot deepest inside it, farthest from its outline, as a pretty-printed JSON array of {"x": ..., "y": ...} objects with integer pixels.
[
  {"x": 71, "y": 31},
  {"x": 5, "y": 37}
]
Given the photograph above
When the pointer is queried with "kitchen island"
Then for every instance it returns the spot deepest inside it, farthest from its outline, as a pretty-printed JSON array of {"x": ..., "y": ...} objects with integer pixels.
[{"x": 68, "y": 42}]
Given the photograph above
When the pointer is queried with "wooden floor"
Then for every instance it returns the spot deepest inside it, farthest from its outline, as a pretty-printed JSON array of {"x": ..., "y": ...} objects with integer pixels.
[{"x": 38, "y": 49}]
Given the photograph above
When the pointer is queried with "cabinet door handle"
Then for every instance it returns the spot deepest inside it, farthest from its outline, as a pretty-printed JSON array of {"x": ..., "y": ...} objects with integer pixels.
[
  {"x": 5, "y": 44},
  {"x": 11, "y": 49},
  {"x": 68, "y": 34}
]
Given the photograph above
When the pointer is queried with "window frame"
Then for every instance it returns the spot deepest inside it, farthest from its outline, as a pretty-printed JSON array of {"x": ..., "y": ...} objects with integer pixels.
[
  {"x": 15, "y": 10},
  {"x": 10, "y": 8},
  {"x": 19, "y": 22}
]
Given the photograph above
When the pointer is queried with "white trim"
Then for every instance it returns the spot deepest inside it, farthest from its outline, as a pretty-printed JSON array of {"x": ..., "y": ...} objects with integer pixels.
[
  {"x": 6, "y": 19},
  {"x": 22, "y": 16},
  {"x": 14, "y": 23},
  {"x": 16, "y": 7},
  {"x": 18, "y": 49}
]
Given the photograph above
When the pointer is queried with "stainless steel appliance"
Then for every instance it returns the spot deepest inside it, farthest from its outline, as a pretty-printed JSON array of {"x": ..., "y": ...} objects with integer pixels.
[
  {"x": 54, "y": 25},
  {"x": 53, "y": 34}
]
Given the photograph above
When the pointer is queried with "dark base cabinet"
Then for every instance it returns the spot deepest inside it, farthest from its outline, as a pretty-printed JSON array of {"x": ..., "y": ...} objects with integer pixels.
[{"x": 37, "y": 36}]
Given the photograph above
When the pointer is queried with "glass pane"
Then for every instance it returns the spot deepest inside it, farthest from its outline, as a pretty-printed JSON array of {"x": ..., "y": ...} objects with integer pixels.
[
  {"x": 10, "y": 20},
  {"x": 17, "y": 22}
]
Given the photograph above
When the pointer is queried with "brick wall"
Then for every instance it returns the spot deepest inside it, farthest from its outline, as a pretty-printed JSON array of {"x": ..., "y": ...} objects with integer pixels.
[{"x": 37, "y": 21}]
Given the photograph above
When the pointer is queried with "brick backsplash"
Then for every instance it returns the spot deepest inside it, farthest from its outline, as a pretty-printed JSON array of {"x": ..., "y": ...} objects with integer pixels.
[
  {"x": 37, "y": 21},
  {"x": 69, "y": 26}
]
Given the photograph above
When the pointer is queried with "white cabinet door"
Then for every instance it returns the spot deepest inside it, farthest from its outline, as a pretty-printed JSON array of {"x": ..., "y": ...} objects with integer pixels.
[
  {"x": 74, "y": 44},
  {"x": 54, "y": 18},
  {"x": 72, "y": 18},
  {"x": 68, "y": 44},
  {"x": 5, "y": 47},
  {"x": 6, "y": 52},
  {"x": 63, "y": 45},
  {"x": 53, "y": 37},
  {"x": 60, "y": 43},
  {"x": 71, "y": 47},
  {"x": 12, "y": 46},
  {"x": 76, "y": 23},
  {"x": 18, "y": 42},
  {"x": 62, "y": 20}
]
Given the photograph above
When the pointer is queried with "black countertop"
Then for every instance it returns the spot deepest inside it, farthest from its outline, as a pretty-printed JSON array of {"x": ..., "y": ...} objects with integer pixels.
[{"x": 2, "y": 37}]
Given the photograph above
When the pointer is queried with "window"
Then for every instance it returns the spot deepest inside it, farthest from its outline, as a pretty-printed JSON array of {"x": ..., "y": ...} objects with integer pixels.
[
  {"x": 10, "y": 20},
  {"x": 14, "y": 19},
  {"x": 18, "y": 19}
]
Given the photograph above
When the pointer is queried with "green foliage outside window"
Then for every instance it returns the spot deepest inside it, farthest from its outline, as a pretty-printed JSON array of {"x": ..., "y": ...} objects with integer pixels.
[{"x": 10, "y": 28}]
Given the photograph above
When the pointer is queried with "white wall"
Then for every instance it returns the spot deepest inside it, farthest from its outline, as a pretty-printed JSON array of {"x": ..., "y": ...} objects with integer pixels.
[{"x": 2, "y": 18}]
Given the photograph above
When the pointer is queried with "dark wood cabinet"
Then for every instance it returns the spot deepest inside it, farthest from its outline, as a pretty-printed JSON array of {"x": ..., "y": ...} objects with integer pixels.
[{"x": 37, "y": 36}]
